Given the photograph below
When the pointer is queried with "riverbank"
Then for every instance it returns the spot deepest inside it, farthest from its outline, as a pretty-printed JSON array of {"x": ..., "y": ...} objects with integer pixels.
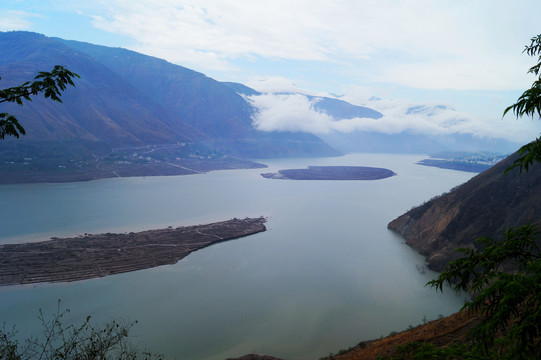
[
  {"x": 93, "y": 256},
  {"x": 35, "y": 170}
]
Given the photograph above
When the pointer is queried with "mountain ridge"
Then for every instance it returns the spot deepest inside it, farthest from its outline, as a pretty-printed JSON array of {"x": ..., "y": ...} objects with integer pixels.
[
  {"x": 203, "y": 103},
  {"x": 128, "y": 100},
  {"x": 135, "y": 99}
]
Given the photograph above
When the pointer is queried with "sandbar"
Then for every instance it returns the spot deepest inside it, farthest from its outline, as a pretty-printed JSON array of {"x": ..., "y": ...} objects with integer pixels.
[
  {"x": 332, "y": 173},
  {"x": 93, "y": 256}
]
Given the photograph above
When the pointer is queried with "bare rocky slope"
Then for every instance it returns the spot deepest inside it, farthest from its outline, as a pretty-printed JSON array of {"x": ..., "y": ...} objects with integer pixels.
[{"x": 486, "y": 205}]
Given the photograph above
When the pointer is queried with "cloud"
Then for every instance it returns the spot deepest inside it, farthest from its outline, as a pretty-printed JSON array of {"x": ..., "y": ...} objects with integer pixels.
[
  {"x": 286, "y": 107},
  {"x": 443, "y": 119},
  {"x": 419, "y": 43},
  {"x": 15, "y": 20},
  {"x": 429, "y": 119},
  {"x": 278, "y": 84},
  {"x": 469, "y": 74},
  {"x": 212, "y": 32},
  {"x": 288, "y": 112},
  {"x": 382, "y": 48},
  {"x": 298, "y": 112}
]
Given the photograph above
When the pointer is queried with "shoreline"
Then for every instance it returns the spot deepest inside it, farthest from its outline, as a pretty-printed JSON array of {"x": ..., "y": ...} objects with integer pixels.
[
  {"x": 63, "y": 172},
  {"x": 98, "y": 255}
]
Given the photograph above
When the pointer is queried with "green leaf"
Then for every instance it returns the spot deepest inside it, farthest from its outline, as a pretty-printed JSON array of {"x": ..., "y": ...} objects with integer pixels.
[{"x": 51, "y": 84}]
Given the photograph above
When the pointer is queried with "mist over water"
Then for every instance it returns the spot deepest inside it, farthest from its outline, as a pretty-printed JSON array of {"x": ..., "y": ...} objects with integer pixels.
[{"x": 325, "y": 275}]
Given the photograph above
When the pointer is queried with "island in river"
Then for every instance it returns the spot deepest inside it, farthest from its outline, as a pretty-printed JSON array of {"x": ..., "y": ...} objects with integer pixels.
[
  {"x": 92, "y": 256},
  {"x": 332, "y": 173}
]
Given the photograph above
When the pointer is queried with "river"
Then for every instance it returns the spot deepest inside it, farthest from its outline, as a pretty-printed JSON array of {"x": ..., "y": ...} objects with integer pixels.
[{"x": 325, "y": 275}]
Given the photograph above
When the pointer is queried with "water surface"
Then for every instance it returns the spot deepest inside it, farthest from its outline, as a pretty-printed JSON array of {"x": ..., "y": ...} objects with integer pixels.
[{"x": 325, "y": 275}]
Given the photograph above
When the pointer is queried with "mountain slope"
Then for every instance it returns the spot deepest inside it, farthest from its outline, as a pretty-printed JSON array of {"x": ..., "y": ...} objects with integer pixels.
[
  {"x": 102, "y": 107},
  {"x": 202, "y": 102},
  {"x": 128, "y": 99},
  {"x": 340, "y": 109},
  {"x": 205, "y": 104},
  {"x": 486, "y": 205}
]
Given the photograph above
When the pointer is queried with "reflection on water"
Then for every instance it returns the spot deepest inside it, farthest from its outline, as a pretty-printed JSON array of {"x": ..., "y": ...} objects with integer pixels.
[{"x": 325, "y": 275}]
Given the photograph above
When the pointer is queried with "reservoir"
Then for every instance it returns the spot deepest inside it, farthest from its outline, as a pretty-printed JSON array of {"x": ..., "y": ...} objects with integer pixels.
[{"x": 325, "y": 275}]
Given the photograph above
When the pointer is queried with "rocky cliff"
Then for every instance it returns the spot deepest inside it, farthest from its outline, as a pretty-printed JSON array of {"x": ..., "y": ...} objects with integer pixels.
[{"x": 486, "y": 205}]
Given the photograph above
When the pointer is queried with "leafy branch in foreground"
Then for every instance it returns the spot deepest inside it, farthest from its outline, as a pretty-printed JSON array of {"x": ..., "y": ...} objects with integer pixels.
[
  {"x": 51, "y": 84},
  {"x": 527, "y": 155},
  {"x": 505, "y": 277},
  {"x": 529, "y": 104},
  {"x": 59, "y": 341}
]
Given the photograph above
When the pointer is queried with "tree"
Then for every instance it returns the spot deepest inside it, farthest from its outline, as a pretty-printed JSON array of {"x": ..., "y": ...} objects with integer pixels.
[
  {"x": 51, "y": 84},
  {"x": 70, "y": 342},
  {"x": 529, "y": 104},
  {"x": 505, "y": 275}
]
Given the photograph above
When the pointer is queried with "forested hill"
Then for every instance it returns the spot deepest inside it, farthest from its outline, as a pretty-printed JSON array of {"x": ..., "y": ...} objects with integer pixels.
[{"x": 486, "y": 205}]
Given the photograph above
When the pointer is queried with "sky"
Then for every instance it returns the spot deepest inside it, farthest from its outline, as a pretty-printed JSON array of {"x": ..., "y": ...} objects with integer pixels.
[{"x": 385, "y": 54}]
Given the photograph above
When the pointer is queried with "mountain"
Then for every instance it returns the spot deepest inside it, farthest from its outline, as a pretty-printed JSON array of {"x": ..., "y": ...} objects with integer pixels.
[
  {"x": 102, "y": 107},
  {"x": 204, "y": 104},
  {"x": 129, "y": 99},
  {"x": 486, "y": 205},
  {"x": 194, "y": 98},
  {"x": 414, "y": 143},
  {"x": 406, "y": 141},
  {"x": 241, "y": 88},
  {"x": 338, "y": 109},
  {"x": 126, "y": 101},
  {"x": 129, "y": 114},
  {"x": 375, "y": 142}
]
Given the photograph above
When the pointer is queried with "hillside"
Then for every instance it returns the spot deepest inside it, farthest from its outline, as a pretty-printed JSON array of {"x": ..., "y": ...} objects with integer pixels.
[
  {"x": 102, "y": 106},
  {"x": 486, "y": 205},
  {"x": 202, "y": 103},
  {"x": 442, "y": 332},
  {"x": 127, "y": 98},
  {"x": 124, "y": 107},
  {"x": 194, "y": 98}
]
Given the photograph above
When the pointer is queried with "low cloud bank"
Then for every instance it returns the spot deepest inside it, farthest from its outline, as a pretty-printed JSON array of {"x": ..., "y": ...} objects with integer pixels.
[
  {"x": 289, "y": 112},
  {"x": 298, "y": 112}
]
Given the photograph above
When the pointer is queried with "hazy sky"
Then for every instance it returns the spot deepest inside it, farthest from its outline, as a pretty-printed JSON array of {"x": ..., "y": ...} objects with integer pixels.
[{"x": 463, "y": 53}]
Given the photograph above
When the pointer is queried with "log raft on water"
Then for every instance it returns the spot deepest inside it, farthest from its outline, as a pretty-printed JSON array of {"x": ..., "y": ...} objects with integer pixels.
[{"x": 93, "y": 256}]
